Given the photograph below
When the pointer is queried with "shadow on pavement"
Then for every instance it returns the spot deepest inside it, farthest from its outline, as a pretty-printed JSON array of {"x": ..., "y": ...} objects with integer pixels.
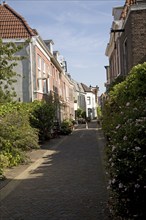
[{"x": 66, "y": 182}]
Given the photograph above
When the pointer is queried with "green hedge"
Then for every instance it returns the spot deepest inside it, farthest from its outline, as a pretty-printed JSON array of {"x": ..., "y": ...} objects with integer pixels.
[{"x": 124, "y": 124}]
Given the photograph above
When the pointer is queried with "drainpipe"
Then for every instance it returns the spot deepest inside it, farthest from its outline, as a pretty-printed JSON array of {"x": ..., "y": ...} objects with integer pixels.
[{"x": 31, "y": 71}]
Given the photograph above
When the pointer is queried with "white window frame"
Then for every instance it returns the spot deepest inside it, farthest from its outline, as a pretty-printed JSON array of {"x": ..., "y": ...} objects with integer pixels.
[
  {"x": 88, "y": 100},
  {"x": 39, "y": 80},
  {"x": 39, "y": 85},
  {"x": 39, "y": 62},
  {"x": 45, "y": 87},
  {"x": 43, "y": 67}
]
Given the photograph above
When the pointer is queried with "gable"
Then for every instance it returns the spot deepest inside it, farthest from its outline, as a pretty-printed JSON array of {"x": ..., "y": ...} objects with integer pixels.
[{"x": 13, "y": 25}]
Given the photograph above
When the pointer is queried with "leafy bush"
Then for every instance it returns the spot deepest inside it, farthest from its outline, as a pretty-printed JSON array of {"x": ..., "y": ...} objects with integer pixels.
[
  {"x": 66, "y": 127},
  {"x": 3, "y": 164},
  {"x": 42, "y": 117},
  {"x": 17, "y": 136},
  {"x": 124, "y": 123},
  {"x": 80, "y": 113}
]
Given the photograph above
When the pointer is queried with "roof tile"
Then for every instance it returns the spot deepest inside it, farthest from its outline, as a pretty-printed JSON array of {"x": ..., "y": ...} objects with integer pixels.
[
  {"x": 86, "y": 88},
  {"x": 13, "y": 25},
  {"x": 126, "y": 8}
]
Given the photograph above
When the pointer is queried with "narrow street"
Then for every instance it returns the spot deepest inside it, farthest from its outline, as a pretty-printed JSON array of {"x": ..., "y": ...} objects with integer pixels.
[{"x": 67, "y": 183}]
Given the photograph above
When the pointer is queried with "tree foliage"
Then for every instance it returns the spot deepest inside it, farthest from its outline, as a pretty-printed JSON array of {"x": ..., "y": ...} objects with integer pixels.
[
  {"x": 80, "y": 113},
  {"x": 8, "y": 60}
]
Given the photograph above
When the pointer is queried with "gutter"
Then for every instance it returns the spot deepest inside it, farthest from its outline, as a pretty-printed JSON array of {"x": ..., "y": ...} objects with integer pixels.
[{"x": 31, "y": 72}]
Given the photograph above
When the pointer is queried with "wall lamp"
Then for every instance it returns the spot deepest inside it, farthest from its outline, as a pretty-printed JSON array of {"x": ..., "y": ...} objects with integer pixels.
[
  {"x": 115, "y": 31},
  {"x": 118, "y": 30}
]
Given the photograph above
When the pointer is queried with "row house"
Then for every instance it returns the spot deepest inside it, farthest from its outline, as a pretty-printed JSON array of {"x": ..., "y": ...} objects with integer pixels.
[
  {"x": 79, "y": 97},
  {"x": 126, "y": 47},
  {"x": 91, "y": 101},
  {"x": 41, "y": 73},
  {"x": 68, "y": 101},
  {"x": 86, "y": 98}
]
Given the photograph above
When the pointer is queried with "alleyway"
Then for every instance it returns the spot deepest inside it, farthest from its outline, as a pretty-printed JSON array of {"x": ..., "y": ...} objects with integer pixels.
[{"x": 66, "y": 184}]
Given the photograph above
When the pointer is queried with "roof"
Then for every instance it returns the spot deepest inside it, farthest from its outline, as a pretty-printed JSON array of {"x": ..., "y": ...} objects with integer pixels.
[
  {"x": 128, "y": 3},
  {"x": 78, "y": 86},
  {"x": 86, "y": 88},
  {"x": 13, "y": 25}
]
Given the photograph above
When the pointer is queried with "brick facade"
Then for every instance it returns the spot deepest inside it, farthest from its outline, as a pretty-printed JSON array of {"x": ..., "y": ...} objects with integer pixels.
[
  {"x": 127, "y": 44},
  {"x": 134, "y": 36}
]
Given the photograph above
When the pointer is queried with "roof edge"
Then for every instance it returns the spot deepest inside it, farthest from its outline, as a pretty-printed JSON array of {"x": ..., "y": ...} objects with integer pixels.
[{"x": 29, "y": 29}]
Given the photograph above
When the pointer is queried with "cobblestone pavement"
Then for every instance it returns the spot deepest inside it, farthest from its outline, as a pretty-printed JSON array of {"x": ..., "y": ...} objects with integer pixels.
[{"x": 66, "y": 183}]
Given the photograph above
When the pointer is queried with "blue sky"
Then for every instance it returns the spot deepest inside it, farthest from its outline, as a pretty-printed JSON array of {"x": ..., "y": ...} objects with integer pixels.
[{"x": 80, "y": 31}]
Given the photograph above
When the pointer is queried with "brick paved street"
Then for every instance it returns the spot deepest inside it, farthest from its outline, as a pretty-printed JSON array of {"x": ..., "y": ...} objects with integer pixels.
[{"x": 67, "y": 183}]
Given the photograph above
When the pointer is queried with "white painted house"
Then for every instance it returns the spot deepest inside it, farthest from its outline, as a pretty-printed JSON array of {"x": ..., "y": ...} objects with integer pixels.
[{"x": 91, "y": 104}]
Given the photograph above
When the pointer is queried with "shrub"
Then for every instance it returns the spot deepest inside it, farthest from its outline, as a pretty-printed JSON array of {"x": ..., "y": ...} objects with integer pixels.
[
  {"x": 3, "y": 164},
  {"x": 66, "y": 127},
  {"x": 42, "y": 117},
  {"x": 17, "y": 136},
  {"x": 124, "y": 123}
]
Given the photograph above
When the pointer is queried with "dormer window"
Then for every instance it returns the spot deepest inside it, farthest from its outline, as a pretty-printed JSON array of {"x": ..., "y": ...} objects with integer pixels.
[{"x": 49, "y": 44}]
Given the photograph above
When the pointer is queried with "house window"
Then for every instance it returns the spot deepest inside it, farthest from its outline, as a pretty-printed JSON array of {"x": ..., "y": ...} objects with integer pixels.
[
  {"x": 118, "y": 58},
  {"x": 45, "y": 89},
  {"x": 64, "y": 90},
  {"x": 39, "y": 80},
  {"x": 39, "y": 74},
  {"x": 43, "y": 67},
  {"x": 48, "y": 71},
  {"x": 39, "y": 85},
  {"x": 125, "y": 57},
  {"x": 39, "y": 62},
  {"x": 58, "y": 78},
  {"x": 48, "y": 85},
  {"x": 53, "y": 74},
  {"x": 88, "y": 100},
  {"x": 51, "y": 70},
  {"x": 56, "y": 75},
  {"x": 70, "y": 94}
]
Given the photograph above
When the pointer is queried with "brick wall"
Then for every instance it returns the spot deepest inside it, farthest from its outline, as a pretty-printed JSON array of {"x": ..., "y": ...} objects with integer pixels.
[
  {"x": 138, "y": 19},
  {"x": 135, "y": 38}
]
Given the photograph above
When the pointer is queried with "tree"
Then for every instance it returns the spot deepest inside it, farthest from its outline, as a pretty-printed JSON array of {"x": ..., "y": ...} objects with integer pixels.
[
  {"x": 79, "y": 112},
  {"x": 8, "y": 60}
]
